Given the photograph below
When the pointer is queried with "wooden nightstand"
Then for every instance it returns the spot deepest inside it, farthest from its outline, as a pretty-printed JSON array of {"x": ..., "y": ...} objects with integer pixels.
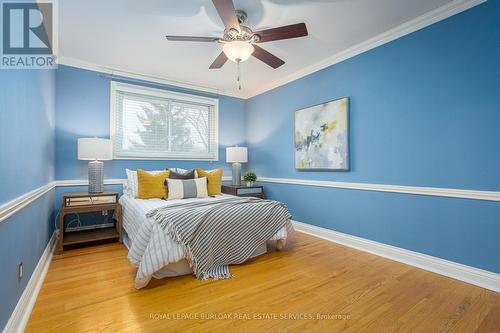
[
  {"x": 74, "y": 203},
  {"x": 244, "y": 191}
]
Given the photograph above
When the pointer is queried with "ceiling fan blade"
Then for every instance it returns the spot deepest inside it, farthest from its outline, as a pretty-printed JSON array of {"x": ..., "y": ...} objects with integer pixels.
[
  {"x": 267, "y": 57},
  {"x": 285, "y": 32},
  {"x": 227, "y": 13},
  {"x": 219, "y": 61},
  {"x": 192, "y": 39}
]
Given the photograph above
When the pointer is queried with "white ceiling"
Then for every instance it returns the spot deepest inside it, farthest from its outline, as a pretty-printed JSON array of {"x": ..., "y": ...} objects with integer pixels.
[{"x": 129, "y": 35}]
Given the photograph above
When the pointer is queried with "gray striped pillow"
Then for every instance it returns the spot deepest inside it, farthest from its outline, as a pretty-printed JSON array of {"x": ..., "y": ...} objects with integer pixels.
[{"x": 187, "y": 188}]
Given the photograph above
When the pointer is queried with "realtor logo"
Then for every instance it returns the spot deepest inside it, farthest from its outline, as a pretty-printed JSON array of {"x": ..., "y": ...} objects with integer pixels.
[{"x": 28, "y": 35}]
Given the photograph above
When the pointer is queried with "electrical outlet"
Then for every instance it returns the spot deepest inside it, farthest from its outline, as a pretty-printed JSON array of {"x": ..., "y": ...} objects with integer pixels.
[{"x": 20, "y": 270}]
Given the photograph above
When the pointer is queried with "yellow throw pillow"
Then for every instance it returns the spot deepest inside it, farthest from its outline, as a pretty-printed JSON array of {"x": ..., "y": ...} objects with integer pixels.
[
  {"x": 214, "y": 180},
  {"x": 151, "y": 185}
]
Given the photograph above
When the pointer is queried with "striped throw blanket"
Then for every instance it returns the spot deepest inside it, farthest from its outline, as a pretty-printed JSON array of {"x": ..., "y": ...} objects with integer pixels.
[{"x": 216, "y": 234}]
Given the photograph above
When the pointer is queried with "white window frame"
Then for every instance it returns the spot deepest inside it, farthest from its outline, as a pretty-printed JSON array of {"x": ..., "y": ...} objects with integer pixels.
[{"x": 138, "y": 89}]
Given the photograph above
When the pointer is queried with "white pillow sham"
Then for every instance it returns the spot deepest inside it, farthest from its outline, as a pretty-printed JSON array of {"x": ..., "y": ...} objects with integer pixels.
[{"x": 132, "y": 188}]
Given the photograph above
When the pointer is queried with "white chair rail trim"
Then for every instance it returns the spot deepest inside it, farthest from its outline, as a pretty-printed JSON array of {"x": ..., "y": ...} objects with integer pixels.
[
  {"x": 417, "y": 190},
  {"x": 85, "y": 182},
  {"x": 472, "y": 275},
  {"x": 10, "y": 208}
]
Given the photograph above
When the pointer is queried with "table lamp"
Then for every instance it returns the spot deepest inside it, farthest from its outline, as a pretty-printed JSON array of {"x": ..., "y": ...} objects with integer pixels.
[
  {"x": 95, "y": 150},
  {"x": 236, "y": 156}
]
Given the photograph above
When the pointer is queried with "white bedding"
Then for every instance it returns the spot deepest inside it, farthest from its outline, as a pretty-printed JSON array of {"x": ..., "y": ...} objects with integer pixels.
[{"x": 150, "y": 248}]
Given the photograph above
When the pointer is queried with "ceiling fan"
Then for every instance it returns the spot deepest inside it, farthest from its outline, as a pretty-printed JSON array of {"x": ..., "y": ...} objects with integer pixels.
[{"x": 240, "y": 42}]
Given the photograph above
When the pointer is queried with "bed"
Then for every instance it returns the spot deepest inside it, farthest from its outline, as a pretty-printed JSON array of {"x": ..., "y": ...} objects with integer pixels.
[{"x": 153, "y": 251}]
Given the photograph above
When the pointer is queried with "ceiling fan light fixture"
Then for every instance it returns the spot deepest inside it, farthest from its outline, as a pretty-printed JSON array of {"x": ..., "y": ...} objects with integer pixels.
[
  {"x": 240, "y": 42},
  {"x": 238, "y": 50}
]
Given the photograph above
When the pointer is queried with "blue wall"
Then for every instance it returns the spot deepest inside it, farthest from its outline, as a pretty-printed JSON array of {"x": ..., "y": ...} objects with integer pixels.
[
  {"x": 27, "y": 111},
  {"x": 425, "y": 111},
  {"x": 83, "y": 111},
  {"x": 26, "y": 131}
]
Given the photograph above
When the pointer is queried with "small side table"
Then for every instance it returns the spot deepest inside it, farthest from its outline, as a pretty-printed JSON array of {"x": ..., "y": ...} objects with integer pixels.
[
  {"x": 244, "y": 191},
  {"x": 74, "y": 203}
]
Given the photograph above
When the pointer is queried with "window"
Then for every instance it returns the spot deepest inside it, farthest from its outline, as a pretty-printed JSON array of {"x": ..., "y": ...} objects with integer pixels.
[{"x": 149, "y": 123}]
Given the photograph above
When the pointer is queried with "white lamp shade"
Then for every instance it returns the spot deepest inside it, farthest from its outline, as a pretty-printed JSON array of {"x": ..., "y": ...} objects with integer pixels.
[
  {"x": 236, "y": 155},
  {"x": 238, "y": 50},
  {"x": 95, "y": 149}
]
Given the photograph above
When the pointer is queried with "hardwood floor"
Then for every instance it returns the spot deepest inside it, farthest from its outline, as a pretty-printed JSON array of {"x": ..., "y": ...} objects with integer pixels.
[{"x": 311, "y": 286}]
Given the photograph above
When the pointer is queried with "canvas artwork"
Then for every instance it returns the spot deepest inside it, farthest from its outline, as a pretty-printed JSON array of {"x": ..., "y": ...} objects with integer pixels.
[{"x": 321, "y": 136}]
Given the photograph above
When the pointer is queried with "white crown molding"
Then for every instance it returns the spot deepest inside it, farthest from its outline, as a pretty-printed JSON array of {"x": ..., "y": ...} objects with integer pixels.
[
  {"x": 475, "y": 276},
  {"x": 417, "y": 190},
  {"x": 10, "y": 208},
  {"x": 124, "y": 74},
  {"x": 19, "y": 317},
  {"x": 429, "y": 18},
  {"x": 406, "y": 28}
]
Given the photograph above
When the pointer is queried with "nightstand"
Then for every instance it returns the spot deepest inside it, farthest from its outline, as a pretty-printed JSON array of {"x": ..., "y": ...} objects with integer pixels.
[
  {"x": 244, "y": 191},
  {"x": 75, "y": 203}
]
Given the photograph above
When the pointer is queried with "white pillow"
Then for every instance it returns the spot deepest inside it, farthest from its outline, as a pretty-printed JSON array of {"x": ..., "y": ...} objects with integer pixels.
[
  {"x": 132, "y": 187},
  {"x": 187, "y": 188},
  {"x": 179, "y": 170}
]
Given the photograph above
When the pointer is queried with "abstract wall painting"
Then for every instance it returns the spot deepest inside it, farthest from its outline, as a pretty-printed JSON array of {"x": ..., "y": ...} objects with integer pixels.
[{"x": 322, "y": 136}]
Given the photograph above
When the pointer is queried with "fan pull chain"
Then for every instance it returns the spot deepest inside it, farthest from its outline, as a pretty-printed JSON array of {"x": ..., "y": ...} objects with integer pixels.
[{"x": 238, "y": 79}]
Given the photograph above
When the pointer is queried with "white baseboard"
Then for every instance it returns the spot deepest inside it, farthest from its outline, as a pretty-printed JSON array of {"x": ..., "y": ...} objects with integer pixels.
[
  {"x": 21, "y": 314},
  {"x": 489, "y": 280},
  {"x": 475, "y": 276}
]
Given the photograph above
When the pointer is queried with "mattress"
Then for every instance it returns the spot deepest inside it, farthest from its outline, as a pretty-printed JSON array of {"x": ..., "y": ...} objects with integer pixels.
[{"x": 150, "y": 248}]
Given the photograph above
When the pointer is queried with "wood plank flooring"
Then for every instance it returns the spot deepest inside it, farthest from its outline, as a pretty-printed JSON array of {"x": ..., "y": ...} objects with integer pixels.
[{"x": 312, "y": 286}]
